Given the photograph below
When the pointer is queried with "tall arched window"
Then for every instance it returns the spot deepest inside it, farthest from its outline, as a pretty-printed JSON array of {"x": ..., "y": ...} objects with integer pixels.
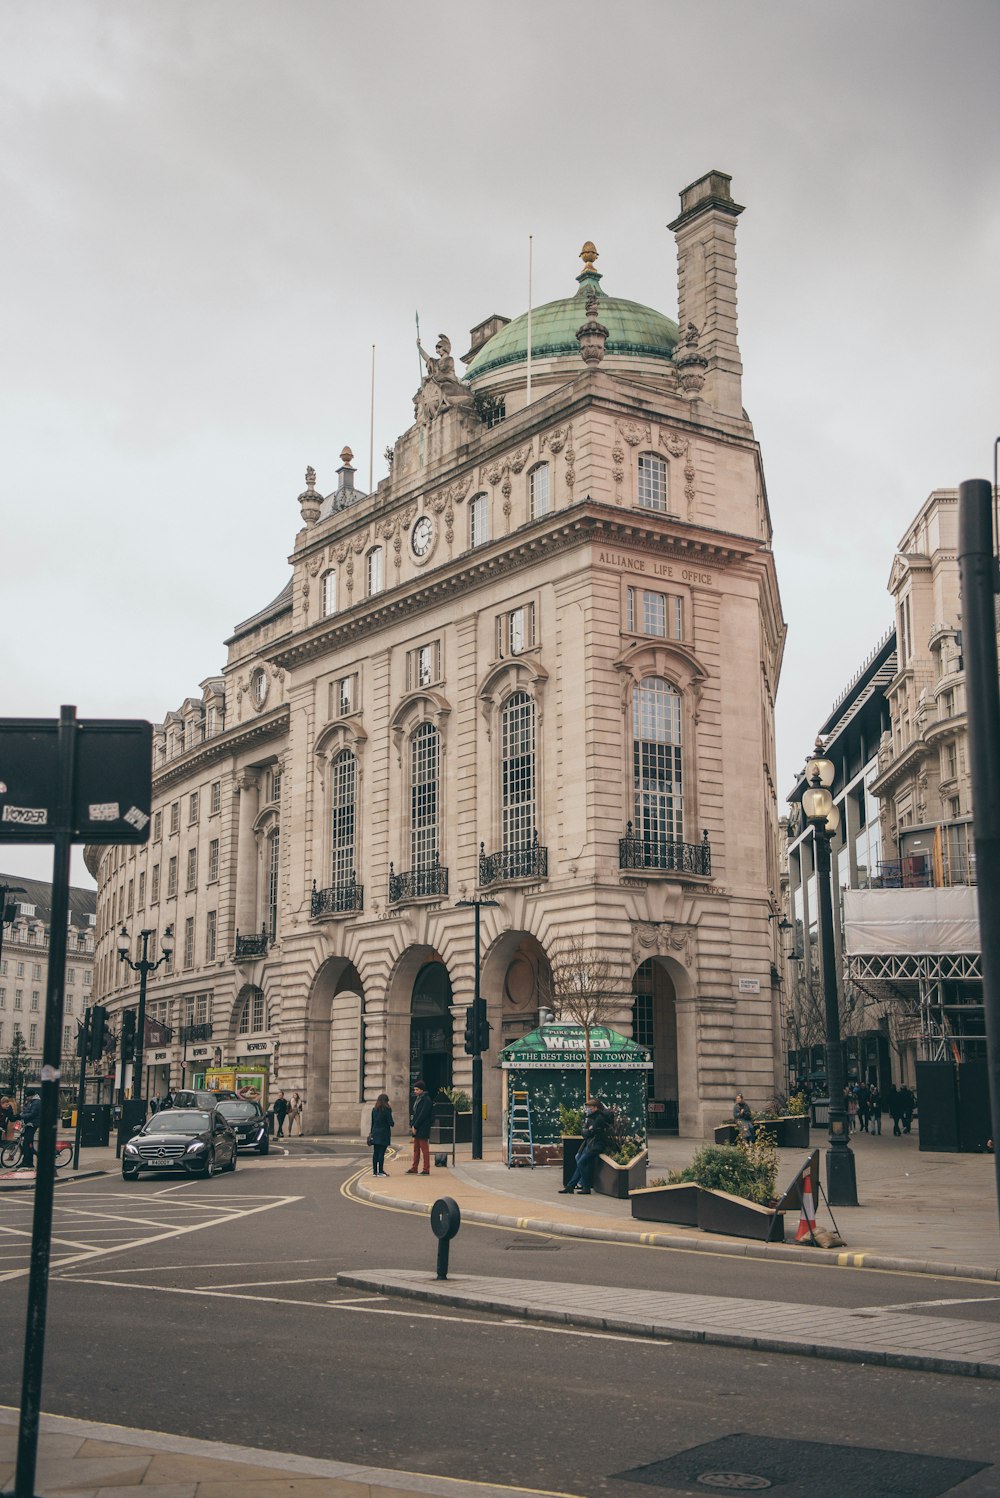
[
  {"x": 273, "y": 865},
  {"x": 656, "y": 761},
  {"x": 652, "y": 482},
  {"x": 343, "y": 806},
  {"x": 252, "y": 1016},
  {"x": 328, "y": 593},
  {"x": 479, "y": 519},
  {"x": 517, "y": 739},
  {"x": 424, "y": 770},
  {"x": 376, "y": 579},
  {"x": 538, "y": 491}
]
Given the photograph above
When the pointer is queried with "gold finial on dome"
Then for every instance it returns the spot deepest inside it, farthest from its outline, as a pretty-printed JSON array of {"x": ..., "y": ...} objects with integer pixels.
[
  {"x": 588, "y": 255},
  {"x": 347, "y": 457}
]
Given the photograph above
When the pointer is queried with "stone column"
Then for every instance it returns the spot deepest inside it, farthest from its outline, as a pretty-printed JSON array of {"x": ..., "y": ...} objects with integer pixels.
[{"x": 248, "y": 786}]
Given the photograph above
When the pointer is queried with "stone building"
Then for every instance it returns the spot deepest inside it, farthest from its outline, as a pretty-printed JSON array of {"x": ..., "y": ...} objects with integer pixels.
[
  {"x": 24, "y": 970},
  {"x": 536, "y": 666}
]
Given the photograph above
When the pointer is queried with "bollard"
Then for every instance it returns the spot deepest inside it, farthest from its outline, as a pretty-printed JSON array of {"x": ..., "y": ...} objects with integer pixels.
[{"x": 446, "y": 1219}]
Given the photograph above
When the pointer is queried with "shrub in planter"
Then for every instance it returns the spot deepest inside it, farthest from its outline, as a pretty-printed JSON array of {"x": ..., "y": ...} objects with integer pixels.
[
  {"x": 570, "y": 1120},
  {"x": 747, "y": 1170}
]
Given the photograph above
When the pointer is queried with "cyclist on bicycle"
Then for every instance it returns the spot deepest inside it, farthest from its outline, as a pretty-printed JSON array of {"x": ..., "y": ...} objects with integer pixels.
[{"x": 31, "y": 1115}]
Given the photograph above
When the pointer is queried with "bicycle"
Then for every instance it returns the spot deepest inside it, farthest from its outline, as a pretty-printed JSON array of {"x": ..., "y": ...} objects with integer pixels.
[{"x": 12, "y": 1153}]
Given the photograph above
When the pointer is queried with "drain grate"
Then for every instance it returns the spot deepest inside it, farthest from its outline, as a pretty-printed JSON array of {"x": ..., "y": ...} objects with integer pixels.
[{"x": 803, "y": 1469}]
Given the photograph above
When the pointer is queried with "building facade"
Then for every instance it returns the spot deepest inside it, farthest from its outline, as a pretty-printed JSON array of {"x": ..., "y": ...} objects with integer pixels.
[
  {"x": 535, "y": 667},
  {"x": 24, "y": 971}
]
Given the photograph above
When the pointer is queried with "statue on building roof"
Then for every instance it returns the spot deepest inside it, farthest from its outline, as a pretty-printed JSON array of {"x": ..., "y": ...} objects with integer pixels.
[{"x": 441, "y": 389}]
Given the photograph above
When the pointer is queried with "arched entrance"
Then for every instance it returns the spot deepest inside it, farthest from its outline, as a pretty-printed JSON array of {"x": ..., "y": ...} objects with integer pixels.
[
  {"x": 431, "y": 1027},
  {"x": 516, "y": 982},
  {"x": 335, "y": 1046},
  {"x": 654, "y": 1024}
]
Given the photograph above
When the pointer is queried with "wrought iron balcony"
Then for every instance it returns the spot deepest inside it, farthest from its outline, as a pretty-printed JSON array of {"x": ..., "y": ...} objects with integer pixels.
[
  {"x": 339, "y": 899},
  {"x": 251, "y": 946},
  {"x": 531, "y": 862},
  {"x": 196, "y": 1034},
  {"x": 664, "y": 853},
  {"x": 417, "y": 883}
]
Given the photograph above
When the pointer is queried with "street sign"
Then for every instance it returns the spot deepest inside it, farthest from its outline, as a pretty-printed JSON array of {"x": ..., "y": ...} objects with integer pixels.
[{"x": 112, "y": 782}]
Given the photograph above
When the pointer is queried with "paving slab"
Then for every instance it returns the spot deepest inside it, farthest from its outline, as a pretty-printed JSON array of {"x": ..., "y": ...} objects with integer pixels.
[{"x": 893, "y": 1339}]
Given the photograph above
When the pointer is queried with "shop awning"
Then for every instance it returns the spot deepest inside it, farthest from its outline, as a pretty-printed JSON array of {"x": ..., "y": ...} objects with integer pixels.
[{"x": 559, "y": 1047}]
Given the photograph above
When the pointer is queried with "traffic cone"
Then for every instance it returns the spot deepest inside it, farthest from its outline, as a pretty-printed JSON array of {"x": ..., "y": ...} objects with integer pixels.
[{"x": 807, "y": 1209}]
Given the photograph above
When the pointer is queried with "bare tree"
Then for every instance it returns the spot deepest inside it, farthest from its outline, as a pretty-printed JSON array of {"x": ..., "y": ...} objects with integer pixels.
[{"x": 589, "y": 987}]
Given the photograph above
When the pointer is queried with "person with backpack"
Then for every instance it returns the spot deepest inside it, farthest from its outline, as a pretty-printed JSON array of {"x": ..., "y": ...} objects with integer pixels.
[
  {"x": 31, "y": 1117},
  {"x": 421, "y": 1115}
]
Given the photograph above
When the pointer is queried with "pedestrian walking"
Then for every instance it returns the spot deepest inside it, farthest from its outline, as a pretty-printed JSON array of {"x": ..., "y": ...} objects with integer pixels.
[
  {"x": 907, "y": 1103},
  {"x": 168, "y": 1100},
  {"x": 420, "y": 1129},
  {"x": 851, "y": 1102},
  {"x": 863, "y": 1115},
  {"x": 596, "y": 1126},
  {"x": 280, "y": 1106},
  {"x": 743, "y": 1118},
  {"x": 380, "y": 1133},
  {"x": 294, "y": 1114},
  {"x": 895, "y": 1108},
  {"x": 875, "y": 1108}
]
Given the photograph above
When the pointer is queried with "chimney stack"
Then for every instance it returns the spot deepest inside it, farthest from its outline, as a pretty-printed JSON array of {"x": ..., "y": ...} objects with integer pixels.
[{"x": 705, "y": 232}]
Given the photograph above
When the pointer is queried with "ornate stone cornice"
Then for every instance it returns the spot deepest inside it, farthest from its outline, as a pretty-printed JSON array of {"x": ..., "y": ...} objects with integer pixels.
[
  {"x": 583, "y": 524},
  {"x": 268, "y": 726}
]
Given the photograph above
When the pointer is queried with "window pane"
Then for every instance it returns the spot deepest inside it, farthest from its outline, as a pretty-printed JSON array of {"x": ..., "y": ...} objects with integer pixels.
[
  {"x": 652, "y": 482},
  {"x": 654, "y": 613},
  {"x": 539, "y": 491},
  {"x": 329, "y": 593},
  {"x": 374, "y": 571},
  {"x": 479, "y": 516},
  {"x": 656, "y": 761},
  {"x": 424, "y": 797},
  {"x": 518, "y": 771},
  {"x": 342, "y": 799}
]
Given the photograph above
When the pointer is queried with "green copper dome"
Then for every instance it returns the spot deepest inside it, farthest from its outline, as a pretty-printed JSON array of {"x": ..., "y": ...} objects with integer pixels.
[{"x": 633, "y": 329}]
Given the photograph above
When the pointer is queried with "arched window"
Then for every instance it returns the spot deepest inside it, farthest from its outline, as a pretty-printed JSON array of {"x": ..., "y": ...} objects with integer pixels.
[
  {"x": 656, "y": 761},
  {"x": 652, "y": 482},
  {"x": 273, "y": 864},
  {"x": 517, "y": 740},
  {"x": 251, "y": 1020},
  {"x": 424, "y": 770},
  {"x": 376, "y": 578},
  {"x": 538, "y": 491},
  {"x": 328, "y": 593},
  {"x": 479, "y": 519},
  {"x": 343, "y": 807}
]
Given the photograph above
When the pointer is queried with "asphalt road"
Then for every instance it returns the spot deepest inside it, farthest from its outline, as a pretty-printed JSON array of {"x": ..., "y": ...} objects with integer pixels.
[{"x": 211, "y": 1309}]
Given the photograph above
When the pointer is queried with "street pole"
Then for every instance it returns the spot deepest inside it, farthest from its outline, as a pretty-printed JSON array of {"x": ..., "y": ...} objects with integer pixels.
[
  {"x": 980, "y": 584},
  {"x": 477, "y": 1061},
  {"x": 82, "y": 1089},
  {"x": 138, "y": 1082},
  {"x": 841, "y": 1177}
]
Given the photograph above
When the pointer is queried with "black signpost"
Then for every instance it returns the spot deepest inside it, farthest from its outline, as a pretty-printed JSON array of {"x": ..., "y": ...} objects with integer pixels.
[{"x": 62, "y": 781}]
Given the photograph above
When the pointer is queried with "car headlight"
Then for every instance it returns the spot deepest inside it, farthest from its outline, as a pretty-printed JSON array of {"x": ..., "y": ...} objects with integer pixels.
[
  {"x": 131, "y": 1149},
  {"x": 199, "y": 1144}
]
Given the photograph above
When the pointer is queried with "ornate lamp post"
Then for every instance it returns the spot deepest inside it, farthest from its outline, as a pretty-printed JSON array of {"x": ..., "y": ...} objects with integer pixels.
[
  {"x": 143, "y": 967},
  {"x": 824, "y": 818}
]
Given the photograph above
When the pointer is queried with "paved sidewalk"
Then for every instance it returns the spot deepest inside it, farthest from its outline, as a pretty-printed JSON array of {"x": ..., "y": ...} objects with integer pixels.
[
  {"x": 81, "y": 1459},
  {"x": 893, "y": 1339},
  {"x": 925, "y": 1213}
]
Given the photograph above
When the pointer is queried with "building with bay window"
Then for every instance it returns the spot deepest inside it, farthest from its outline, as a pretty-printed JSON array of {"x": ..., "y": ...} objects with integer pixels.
[{"x": 537, "y": 664}]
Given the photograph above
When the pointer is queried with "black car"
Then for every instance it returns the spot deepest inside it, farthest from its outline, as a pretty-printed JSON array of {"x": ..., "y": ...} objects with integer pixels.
[
  {"x": 248, "y": 1121},
  {"x": 196, "y": 1140}
]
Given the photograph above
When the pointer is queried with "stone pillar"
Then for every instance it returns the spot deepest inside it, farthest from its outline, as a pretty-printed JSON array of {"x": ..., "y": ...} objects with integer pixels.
[
  {"x": 248, "y": 786},
  {"x": 705, "y": 233}
]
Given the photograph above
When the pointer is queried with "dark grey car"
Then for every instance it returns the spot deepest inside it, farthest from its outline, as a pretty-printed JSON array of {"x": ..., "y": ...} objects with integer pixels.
[
  {"x": 248, "y": 1121},
  {"x": 198, "y": 1141}
]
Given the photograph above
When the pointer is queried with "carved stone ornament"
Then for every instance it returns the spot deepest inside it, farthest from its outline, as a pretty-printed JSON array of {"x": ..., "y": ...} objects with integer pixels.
[
  {"x": 676, "y": 446},
  {"x": 555, "y": 441},
  {"x": 592, "y": 335},
  {"x": 360, "y": 542},
  {"x": 386, "y": 527},
  {"x": 309, "y": 500},
  {"x": 521, "y": 457},
  {"x": 341, "y": 553},
  {"x": 494, "y": 473},
  {"x": 634, "y": 433},
  {"x": 570, "y": 474},
  {"x": 316, "y": 563},
  {"x": 618, "y": 459},
  {"x": 664, "y": 939},
  {"x": 689, "y": 363},
  {"x": 505, "y": 488}
]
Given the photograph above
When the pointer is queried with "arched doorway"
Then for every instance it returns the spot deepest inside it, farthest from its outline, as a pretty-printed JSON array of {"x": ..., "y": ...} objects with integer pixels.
[
  {"x": 654, "y": 1024},
  {"x": 431, "y": 1027},
  {"x": 335, "y": 1047}
]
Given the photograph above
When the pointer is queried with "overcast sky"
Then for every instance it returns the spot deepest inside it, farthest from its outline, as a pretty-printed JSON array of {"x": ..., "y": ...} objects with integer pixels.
[{"x": 213, "y": 209}]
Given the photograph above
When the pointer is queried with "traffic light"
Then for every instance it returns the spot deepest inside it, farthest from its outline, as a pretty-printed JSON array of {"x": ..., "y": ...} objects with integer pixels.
[
  {"x": 82, "y": 1033},
  {"x": 128, "y": 1035},
  {"x": 98, "y": 1021},
  {"x": 477, "y": 1028}
]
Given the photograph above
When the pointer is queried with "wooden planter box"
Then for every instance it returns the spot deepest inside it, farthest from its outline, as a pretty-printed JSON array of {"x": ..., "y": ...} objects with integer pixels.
[
  {"x": 725, "y": 1134},
  {"x": 441, "y": 1129},
  {"x": 618, "y": 1180},
  {"x": 718, "y": 1212},
  {"x": 677, "y": 1204},
  {"x": 791, "y": 1131}
]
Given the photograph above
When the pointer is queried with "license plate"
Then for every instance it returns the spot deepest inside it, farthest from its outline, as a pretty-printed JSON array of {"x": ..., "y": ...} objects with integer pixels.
[{"x": 160, "y": 1163}]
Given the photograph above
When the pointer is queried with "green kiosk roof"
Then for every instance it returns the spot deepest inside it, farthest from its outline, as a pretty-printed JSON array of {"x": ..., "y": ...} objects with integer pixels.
[{"x": 560, "y": 1047}]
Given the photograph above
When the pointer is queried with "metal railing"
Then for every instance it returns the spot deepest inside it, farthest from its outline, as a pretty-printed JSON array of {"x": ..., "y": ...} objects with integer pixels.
[
  {"x": 251, "y": 946},
  {"x": 195, "y": 1033},
  {"x": 531, "y": 862},
  {"x": 664, "y": 853},
  {"x": 415, "y": 884},
  {"x": 339, "y": 899}
]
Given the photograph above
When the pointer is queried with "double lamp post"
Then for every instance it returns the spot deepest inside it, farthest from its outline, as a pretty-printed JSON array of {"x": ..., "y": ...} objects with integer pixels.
[{"x": 143, "y": 967}]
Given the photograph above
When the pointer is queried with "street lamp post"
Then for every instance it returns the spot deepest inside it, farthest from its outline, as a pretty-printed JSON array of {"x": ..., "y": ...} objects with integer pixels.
[
  {"x": 480, "y": 1033},
  {"x": 143, "y": 967},
  {"x": 824, "y": 818}
]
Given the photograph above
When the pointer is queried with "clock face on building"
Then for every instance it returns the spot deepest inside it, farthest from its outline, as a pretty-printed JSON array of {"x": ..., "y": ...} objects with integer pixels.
[{"x": 422, "y": 536}]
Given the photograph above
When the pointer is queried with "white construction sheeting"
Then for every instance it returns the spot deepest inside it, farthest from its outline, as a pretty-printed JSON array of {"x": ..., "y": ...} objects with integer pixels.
[{"x": 908, "y": 921}]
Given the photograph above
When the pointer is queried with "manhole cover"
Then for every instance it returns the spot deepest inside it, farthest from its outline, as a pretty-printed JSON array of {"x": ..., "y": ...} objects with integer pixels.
[
  {"x": 733, "y": 1482},
  {"x": 804, "y": 1469}
]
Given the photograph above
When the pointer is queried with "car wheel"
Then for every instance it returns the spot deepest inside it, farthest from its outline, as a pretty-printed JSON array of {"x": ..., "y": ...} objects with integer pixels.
[
  {"x": 210, "y": 1166},
  {"x": 129, "y": 1175},
  {"x": 263, "y": 1147},
  {"x": 232, "y": 1163}
]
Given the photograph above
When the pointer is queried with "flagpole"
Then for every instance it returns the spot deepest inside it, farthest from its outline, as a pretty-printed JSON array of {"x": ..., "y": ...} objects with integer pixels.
[
  {"x": 371, "y": 430},
  {"x": 528, "y": 396}
]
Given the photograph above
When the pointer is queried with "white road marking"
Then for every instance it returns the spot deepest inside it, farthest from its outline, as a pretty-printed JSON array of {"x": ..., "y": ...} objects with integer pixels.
[
  {"x": 315, "y": 1279},
  {"x": 922, "y": 1305}
]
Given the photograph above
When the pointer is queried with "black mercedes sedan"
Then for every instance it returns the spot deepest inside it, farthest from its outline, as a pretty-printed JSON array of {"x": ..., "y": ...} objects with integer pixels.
[
  {"x": 248, "y": 1121},
  {"x": 195, "y": 1140}
]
